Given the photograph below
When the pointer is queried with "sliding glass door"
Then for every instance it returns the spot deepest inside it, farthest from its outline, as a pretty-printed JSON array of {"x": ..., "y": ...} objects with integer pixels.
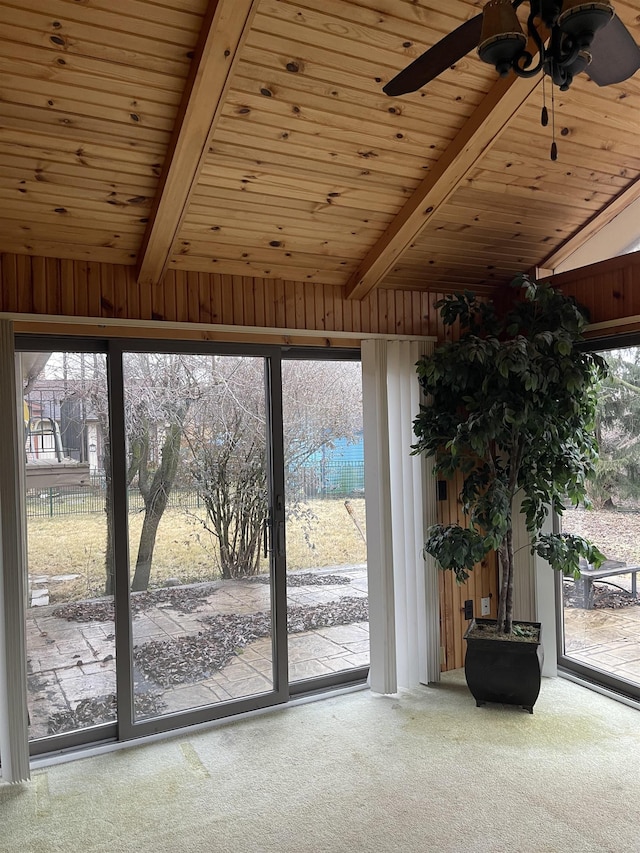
[
  {"x": 70, "y": 629},
  {"x": 198, "y": 486},
  {"x": 328, "y": 621},
  {"x": 160, "y": 593},
  {"x": 154, "y": 498},
  {"x": 600, "y": 611}
]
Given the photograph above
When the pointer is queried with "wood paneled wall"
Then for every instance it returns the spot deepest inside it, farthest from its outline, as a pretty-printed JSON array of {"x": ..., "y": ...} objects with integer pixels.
[
  {"x": 34, "y": 285},
  {"x": 482, "y": 583},
  {"x": 610, "y": 290}
]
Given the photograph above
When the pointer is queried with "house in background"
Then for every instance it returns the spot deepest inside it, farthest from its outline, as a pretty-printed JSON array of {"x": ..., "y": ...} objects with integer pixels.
[
  {"x": 203, "y": 174},
  {"x": 60, "y": 425},
  {"x": 61, "y": 437}
]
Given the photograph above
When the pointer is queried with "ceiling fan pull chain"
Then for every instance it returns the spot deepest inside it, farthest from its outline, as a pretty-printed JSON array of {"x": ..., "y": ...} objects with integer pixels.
[
  {"x": 544, "y": 117},
  {"x": 554, "y": 147}
]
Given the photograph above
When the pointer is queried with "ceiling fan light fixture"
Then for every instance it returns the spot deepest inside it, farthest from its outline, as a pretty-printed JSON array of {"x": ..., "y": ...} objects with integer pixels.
[
  {"x": 580, "y": 63},
  {"x": 502, "y": 40},
  {"x": 581, "y": 21},
  {"x": 563, "y": 77}
]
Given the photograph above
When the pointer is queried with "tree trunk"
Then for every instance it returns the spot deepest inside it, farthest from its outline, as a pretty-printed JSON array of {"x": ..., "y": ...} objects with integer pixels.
[
  {"x": 505, "y": 609},
  {"x": 145, "y": 549},
  {"x": 505, "y": 553},
  {"x": 109, "y": 562},
  {"x": 156, "y": 498},
  {"x": 503, "y": 562},
  {"x": 508, "y": 619}
]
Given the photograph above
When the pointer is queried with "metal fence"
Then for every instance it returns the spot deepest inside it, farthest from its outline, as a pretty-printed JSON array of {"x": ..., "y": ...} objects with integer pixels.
[
  {"x": 329, "y": 480},
  {"x": 85, "y": 500}
]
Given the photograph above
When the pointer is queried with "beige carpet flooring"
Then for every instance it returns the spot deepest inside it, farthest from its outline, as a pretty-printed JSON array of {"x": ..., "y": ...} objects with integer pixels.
[{"x": 422, "y": 771}]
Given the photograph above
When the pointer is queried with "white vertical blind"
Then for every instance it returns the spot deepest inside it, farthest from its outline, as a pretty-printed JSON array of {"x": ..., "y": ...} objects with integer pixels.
[
  {"x": 382, "y": 641},
  {"x": 545, "y": 607},
  {"x": 524, "y": 601},
  {"x": 400, "y": 493},
  {"x": 14, "y": 744}
]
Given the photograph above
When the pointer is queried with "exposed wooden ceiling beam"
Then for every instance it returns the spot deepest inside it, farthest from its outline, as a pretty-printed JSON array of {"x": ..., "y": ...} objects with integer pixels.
[
  {"x": 595, "y": 224},
  {"x": 224, "y": 30},
  {"x": 479, "y": 133}
]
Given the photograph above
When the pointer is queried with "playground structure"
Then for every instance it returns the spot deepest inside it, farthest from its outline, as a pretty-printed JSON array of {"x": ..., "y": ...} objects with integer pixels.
[
  {"x": 49, "y": 463},
  {"x": 47, "y": 467}
]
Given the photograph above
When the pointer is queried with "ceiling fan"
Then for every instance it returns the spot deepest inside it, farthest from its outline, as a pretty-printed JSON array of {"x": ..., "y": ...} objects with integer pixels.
[{"x": 570, "y": 37}]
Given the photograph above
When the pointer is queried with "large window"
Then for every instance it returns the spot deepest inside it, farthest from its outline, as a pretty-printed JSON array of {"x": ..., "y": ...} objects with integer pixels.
[
  {"x": 195, "y": 547},
  {"x": 600, "y": 636}
]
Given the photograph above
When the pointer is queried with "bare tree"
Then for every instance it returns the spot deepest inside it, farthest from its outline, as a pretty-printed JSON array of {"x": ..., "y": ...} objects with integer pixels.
[
  {"x": 227, "y": 441},
  {"x": 322, "y": 402},
  {"x": 228, "y": 462},
  {"x": 159, "y": 390}
]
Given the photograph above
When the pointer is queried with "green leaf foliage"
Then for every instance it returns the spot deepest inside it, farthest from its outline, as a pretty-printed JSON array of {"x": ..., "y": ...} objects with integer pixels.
[
  {"x": 563, "y": 551},
  {"x": 457, "y": 548},
  {"x": 510, "y": 405}
]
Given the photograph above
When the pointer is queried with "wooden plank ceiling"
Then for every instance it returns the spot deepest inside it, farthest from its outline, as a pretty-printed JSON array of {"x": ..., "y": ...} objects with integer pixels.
[{"x": 252, "y": 137}]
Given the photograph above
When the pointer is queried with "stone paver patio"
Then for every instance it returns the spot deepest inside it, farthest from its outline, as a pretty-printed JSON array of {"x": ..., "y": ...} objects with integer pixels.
[
  {"x": 69, "y": 661},
  {"x": 606, "y": 638}
]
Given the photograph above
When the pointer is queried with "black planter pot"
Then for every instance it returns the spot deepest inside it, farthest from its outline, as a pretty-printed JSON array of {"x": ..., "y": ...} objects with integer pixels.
[{"x": 506, "y": 671}]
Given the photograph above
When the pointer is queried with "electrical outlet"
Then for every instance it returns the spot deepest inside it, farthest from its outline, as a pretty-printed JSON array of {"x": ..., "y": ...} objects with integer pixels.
[{"x": 485, "y": 606}]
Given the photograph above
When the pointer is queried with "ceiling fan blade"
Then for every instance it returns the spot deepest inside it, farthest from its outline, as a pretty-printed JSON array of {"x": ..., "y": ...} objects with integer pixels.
[
  {"x": 437, "y": 59},
  {"x": 615, "y": 55}
]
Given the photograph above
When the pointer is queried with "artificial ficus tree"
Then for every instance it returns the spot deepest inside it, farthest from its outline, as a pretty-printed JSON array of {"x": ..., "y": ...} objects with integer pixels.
[{"x": 510, "y": 408}]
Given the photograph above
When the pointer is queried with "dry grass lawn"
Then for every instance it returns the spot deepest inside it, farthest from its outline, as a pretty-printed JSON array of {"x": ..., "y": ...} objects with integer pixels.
[{"x": 75, "y": 544}]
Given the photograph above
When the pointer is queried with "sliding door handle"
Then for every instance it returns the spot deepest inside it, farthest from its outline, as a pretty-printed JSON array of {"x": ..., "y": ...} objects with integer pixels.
[{"x": 280, "y": 539}]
